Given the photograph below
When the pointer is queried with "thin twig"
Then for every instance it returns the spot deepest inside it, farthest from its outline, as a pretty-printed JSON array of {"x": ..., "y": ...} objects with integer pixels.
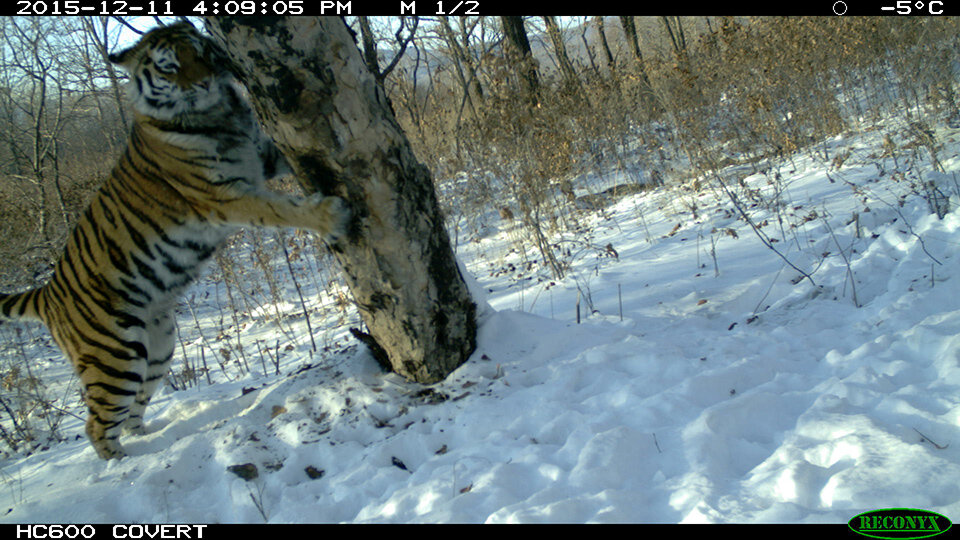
[
  {"x": 853, "y": 283},
  {"x": 758, "y": 232},
  {"x": 935, "y": 445}
]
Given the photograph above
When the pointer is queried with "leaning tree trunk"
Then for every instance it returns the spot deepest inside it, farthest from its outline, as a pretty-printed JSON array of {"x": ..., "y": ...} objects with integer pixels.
[{"x": 322, "y": 106}]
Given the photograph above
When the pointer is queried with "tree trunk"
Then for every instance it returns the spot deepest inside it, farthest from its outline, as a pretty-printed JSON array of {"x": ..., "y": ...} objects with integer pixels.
[
  {"x": 370, "y": 54},
  {"x": 677, "y": 38},
  {"x": 560, "y": 49},
  {"x": 101, "y": 43},
  {"x": 601, "y": 32},
  {"x": 630, "y": 29},
  {"x": 523, "y": 62},
  {"x": 464, "y": 66},
  {"x": 324, "y": 109}
]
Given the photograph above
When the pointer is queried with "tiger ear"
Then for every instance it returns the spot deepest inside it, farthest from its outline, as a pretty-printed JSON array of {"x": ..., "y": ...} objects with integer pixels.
[
  {"x": 122, "y": 58},
  {"x": 219, "y": 59}
]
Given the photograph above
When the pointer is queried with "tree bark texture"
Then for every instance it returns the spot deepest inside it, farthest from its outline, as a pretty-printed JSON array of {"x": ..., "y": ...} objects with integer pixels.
[{"x": 322, "y": 106}]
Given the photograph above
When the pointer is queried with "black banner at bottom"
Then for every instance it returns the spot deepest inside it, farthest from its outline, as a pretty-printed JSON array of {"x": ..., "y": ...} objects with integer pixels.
[{"x": 105, "y": 531}]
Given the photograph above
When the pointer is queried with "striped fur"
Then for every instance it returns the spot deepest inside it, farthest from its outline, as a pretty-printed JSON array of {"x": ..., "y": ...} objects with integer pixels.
[{"x": 193, "y": 171}]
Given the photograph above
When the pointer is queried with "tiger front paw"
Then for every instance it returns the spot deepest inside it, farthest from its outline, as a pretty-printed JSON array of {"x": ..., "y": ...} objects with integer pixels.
[{"x": 335, "y": 219}]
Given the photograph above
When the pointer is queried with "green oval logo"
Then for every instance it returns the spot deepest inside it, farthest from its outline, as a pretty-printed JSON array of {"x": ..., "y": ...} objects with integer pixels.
[{"x": 899, "y": 523}]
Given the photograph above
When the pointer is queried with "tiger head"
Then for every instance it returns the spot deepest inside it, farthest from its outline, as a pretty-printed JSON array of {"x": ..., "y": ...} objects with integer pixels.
[{"x": 176, "y": 71}]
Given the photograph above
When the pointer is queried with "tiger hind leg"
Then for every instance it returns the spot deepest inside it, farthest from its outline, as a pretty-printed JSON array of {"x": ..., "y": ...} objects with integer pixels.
[
  {"x": 108, "y": 409},
  {"x": 109, "y": 402},
  {"x": 156, "y": 370},
  {"x": 158, "y": 363}
]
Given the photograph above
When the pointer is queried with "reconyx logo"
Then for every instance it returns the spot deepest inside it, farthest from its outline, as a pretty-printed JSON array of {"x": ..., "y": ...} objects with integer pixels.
[{"x": 899, "y": 523}]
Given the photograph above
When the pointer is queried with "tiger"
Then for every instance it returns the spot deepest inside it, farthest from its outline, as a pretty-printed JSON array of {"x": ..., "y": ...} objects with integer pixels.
[{"x": 193, "y": 172}]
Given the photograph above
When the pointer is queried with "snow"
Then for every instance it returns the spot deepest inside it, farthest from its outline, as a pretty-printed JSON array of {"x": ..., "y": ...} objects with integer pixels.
[{"x": 727, "y": 392}]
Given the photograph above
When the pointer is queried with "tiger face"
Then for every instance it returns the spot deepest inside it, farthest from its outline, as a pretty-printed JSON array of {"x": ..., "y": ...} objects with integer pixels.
[{"x": 174, "y": 70}]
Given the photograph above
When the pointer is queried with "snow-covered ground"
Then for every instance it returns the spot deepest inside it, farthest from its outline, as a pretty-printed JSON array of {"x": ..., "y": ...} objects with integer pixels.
[{"x": 700, "y": 387}]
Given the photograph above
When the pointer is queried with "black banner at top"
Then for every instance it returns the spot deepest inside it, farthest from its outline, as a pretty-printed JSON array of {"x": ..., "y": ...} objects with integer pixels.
[{"x": 433, "y": 8}]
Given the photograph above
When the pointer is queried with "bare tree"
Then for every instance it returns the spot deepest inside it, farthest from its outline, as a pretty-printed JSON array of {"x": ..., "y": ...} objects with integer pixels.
[
  {"x": 371, "y": 54},
  {"x": 464, "y": 65},
  {"x": 678, "y": 40},
  {"x": 519, "y": 47},
  {"x": 37, "y": 75},
  {"x": 98, "y": 32},
  {"x": 331, "y": 119},
  {"x": 607, "y": 54},
  {"x": 630, "y": 30},
  {"x": 563, "y": 59}
]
